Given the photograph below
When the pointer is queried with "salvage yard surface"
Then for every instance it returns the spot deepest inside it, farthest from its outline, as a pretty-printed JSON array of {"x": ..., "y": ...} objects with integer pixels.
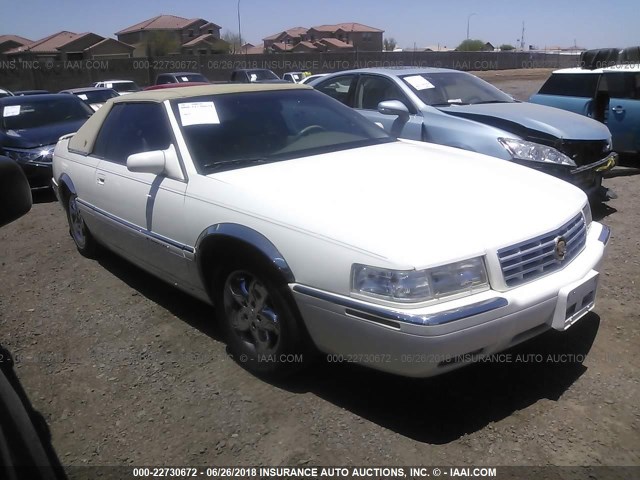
[{"x": 128, "y": 371}]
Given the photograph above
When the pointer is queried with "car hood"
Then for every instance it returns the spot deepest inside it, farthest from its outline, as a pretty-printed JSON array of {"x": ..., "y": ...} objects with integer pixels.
[
  {"x": 513, "y": 116},
  {"x": 411, "y": 203},
  {"x": 36, "y": 137}
]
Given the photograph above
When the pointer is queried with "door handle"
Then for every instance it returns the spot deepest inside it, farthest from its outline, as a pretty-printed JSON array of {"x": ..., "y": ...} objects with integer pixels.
[
  {"x": 617, "y": 109},
  {"x": 100, "y": 180}
]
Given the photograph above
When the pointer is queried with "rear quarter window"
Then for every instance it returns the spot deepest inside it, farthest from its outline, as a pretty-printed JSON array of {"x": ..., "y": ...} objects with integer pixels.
[
  {"x": 624, "y": 85},
  {"x": 571, "y": 85}
]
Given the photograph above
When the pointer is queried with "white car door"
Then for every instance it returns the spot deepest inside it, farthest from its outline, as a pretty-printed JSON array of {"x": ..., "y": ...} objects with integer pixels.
[{"x": 141, "y": 211}]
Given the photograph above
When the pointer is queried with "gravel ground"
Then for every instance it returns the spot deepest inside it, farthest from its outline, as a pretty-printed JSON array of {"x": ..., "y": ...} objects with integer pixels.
[{"x": 128, "y": 371}]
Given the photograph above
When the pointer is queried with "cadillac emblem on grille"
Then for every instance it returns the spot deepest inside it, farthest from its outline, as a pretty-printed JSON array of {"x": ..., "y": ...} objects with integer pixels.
[{"x": 561, "y": 248}]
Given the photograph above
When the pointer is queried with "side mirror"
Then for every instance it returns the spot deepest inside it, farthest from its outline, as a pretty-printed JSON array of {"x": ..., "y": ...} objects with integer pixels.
[
  {"x": 393, "y": 107},
  {"x": 15, "y": 193},
  {"x": 147, "y": 162}
]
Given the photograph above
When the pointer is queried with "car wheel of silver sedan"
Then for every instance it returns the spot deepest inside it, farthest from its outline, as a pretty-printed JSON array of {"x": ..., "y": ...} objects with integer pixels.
[
  {"x": 261, "y": 324},
  {"x": 78, "y": 230}
]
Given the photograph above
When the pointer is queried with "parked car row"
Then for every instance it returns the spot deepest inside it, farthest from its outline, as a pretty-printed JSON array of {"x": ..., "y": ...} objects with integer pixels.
[{"x": 263, "y": 200}]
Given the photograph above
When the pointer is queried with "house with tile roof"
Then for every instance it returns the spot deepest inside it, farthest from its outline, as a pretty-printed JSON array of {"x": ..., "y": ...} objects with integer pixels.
[
  {"x": 251, "y": 49},
  {"x": 9, "y": 42},
  {"x": 66, "y": 45},
  {"x": 190, "y": 36},
  {"x": 326, "y": 38},
  {"x": 291, "y": 37}
]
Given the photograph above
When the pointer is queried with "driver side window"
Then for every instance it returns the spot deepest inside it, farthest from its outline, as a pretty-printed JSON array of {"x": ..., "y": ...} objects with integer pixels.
[
  {"x": 337, "y": 88},
  {"x": 372, "y": 90},
  {"x": 132, "y": 128}
]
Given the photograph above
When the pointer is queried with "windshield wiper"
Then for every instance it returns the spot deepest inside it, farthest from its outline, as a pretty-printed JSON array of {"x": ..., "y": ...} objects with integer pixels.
[{"x": 237, "y": 162}]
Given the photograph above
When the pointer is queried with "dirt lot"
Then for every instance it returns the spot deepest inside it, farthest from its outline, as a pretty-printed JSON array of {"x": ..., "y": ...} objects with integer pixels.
[{"x": 128, "y": 371}]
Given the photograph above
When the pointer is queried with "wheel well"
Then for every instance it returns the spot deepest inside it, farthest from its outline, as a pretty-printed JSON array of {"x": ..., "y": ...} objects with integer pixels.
[
  {"x": 217, "y": 252},
  {"x": 65, "y": 193}
]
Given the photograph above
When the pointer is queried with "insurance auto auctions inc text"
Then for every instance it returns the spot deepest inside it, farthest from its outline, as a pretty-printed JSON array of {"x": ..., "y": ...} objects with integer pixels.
[{"x": 375, "y": 472}]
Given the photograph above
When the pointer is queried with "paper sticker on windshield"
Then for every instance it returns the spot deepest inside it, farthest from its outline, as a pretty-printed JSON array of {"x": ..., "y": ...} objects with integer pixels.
[
  {"x": 254, "y": 77},
  {"x": 419, "y": 82},
  {"x": 184, "y": 79},
  {"x": 11, "y": 111},
  {"x": 82, "y": 96},
  {"x": 109, "y": 85},
  {"x": 198, "y": 113}
]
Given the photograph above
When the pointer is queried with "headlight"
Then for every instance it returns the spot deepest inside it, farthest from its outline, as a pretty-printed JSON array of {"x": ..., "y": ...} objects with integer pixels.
[
  {"x": 534, "y": 152},
  {"x": 586, "y": 212},
  {"x": 40, "y": 154},
  {"x": 468, "y": 276}
]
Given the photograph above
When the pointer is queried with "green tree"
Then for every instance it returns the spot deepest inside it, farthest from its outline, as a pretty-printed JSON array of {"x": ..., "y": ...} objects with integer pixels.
[
  {"x": 505, "y": 47},
  {"x": 234, "y": 40},
  {"x": 471, "y": 46},
  {"x": 389, "y": 44},
  {"x": 160, "y": 43}
]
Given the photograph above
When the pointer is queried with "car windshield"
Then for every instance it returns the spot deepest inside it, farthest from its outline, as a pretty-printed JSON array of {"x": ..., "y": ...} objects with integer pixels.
[
  {"x": 255, "y": 75},
  {"x": 96, "y": 96},
  {"x": 230, "y": 131},
  {"x": 123, "y": 86},
  {"x": 191, "y": 77},
  {"x": 444, "y": 89},
  {"x": 36, "y": 112}
]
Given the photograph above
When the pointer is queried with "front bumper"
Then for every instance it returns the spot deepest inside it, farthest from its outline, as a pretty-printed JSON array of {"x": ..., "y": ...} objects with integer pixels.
[
  {"x": 586, "y": 177},
  {"x": 398, "y": 340},
  {"x": 38, "y": 174}
]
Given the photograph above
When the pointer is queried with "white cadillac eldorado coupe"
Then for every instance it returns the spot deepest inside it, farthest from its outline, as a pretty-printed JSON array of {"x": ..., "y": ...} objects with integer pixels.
[{"x": 309, "y": 228}]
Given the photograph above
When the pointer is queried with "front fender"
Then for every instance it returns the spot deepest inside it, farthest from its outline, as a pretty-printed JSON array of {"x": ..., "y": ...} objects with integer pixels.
[
  {"x": 65, "y": 184},
  {"x": 248, "y": 237}
]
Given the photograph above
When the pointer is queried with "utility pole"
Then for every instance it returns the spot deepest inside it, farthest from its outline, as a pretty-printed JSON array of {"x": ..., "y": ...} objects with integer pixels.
[
  {"x": 522, "y": 37},
  {"x": 239, "y": 30}
]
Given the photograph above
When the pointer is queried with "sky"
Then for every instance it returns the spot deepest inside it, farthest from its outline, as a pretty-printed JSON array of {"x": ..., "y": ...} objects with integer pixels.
[{"x": 586, "y": 23}]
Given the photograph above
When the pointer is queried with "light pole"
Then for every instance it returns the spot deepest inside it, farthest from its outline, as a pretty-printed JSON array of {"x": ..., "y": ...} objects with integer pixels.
[
  {"x": 239, "y": 30},
  {"x": 468, "y": 19}
]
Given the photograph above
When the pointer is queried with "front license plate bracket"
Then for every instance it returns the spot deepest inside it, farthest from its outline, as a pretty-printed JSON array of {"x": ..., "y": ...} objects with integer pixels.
[{"x": 575, "y": 301}]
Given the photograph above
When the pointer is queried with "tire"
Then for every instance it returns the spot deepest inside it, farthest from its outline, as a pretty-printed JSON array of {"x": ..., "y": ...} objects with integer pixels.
[
  {"x": 260, "y": 321},
  {"x": 85, "y": 243}
]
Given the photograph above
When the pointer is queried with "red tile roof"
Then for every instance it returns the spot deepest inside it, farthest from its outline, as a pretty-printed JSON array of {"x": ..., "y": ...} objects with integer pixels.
[
  {"x": 109, "y": 40},
  {"x": 201, "y": 38},
  {"x": 283, "y": 47},
  {"x": 309, "y": 45},
  {"x": 15, "y": 38},
  {"x": 335, "y": 43},
  {"x": 292, "y": 32},
  {"x": 347, "y": 27},
  {"x": 162, "y": 22},
  {"x": 48, "y": 44}
]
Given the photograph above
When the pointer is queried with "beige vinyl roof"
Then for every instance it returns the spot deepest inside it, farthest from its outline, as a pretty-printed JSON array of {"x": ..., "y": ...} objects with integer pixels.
[
  {"x": 82, "y": 142},
  {"x": 163, "y": 94}
]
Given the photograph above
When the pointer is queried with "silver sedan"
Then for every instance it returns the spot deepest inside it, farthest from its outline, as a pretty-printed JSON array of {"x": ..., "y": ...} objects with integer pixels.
[{"x": 458, "y": 109}]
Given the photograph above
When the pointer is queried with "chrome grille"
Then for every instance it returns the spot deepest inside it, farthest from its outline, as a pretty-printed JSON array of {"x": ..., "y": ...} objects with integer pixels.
[{"x": 533, "y": 258}]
